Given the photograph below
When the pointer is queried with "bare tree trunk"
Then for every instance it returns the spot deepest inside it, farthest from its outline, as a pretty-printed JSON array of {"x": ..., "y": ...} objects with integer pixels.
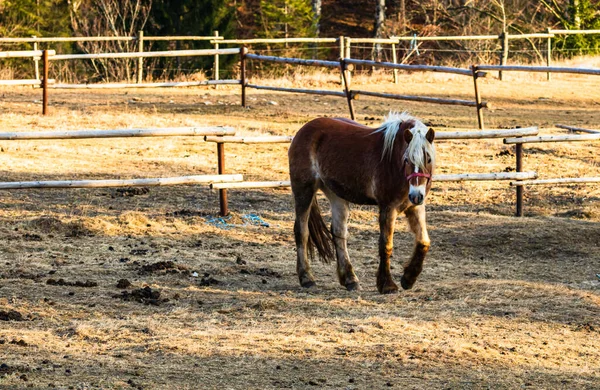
[
  {"x": 402, "y": 17},
  {"x": 379, "y": 25},
  {"x": 576, "y": 14},
  {"x": 316, "y": 7}
]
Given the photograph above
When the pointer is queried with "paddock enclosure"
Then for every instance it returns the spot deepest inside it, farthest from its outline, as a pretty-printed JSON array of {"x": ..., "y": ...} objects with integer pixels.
[{"x": 147, "y": 287}]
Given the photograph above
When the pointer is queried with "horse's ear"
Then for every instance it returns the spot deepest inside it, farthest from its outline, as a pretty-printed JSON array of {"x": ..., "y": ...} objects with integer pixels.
[
  {"x": 408, "y": 135},
  {"x": 430, "y": 135}
]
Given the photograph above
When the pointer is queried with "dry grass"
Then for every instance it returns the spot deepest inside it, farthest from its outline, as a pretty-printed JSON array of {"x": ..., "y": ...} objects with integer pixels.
[{"x": 502, "y": 302}]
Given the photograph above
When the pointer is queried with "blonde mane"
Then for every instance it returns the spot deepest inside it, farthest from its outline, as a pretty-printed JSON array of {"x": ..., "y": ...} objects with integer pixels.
[{"x": 414, "y": 152}]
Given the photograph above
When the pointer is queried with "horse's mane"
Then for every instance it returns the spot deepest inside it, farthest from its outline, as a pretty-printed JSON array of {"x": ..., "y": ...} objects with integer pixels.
[{"x": 390, "y": 128}]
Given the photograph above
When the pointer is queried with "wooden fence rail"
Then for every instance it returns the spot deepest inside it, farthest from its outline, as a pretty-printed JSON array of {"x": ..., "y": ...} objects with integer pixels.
[
  {"x": 553, "y": 138},
  {"x": 25, "y": 54},
  {"x": 295, "y": 61},
  {"x": 441, "y": 178},
  {"x": 540, "y": 69},
  {"x": 146, "y": 54},
  {"x": 151, "y": 182},
  {"x": 145, "y": 85},
  {"x": 34, "y": 82},
  {"x": 412, "y": 68},
  {"x": 119, "y": 133},
  {"x": 566, "y": 180},
  {"x": 578, "y": 129}
]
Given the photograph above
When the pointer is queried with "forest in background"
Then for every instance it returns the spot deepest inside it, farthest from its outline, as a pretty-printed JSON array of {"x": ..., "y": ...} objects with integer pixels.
[{"x": 296, "y": 18}]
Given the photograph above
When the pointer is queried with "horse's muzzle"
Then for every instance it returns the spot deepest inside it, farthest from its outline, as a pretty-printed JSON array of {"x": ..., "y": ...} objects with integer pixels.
[{"x": 416, "y": 198}]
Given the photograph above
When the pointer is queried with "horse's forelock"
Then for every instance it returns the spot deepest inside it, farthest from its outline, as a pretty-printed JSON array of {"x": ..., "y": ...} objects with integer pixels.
[
  {"x": 419, "y": 147},
  {"x": 395, "y": 123}
]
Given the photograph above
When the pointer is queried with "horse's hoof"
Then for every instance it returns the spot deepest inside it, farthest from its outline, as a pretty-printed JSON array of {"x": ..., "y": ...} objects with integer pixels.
[
  {"x": 353, "y": 286},
  {"x": 405, "y": 284},
  {"x": 387, "y": 288},
  {"x": 308, "y": 284}
]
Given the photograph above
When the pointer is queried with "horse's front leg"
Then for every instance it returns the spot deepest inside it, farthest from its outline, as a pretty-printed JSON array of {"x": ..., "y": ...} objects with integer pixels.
[
  {"x": 416, "y": 220},
  {"x": 387, "y": 219}
]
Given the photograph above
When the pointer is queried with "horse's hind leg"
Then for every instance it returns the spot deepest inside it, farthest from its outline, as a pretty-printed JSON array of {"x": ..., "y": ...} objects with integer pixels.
[
  {"x": 340, "y": 211},
  {"x": 416, "y": 220},
  {"x": 303, "y": 198}
]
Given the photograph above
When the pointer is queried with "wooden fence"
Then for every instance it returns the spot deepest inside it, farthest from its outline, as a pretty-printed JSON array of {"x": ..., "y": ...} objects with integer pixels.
[
  {"x": 223, "y": 182},
  {"x": 518, "y": 179},
  {"x": 346, "y": 66},
  {"x": 519, "y": 142},
  {"x": 121, "y": 133},
  {"x": 344, "y": 44},
  {"x": 519, "y": 175}
]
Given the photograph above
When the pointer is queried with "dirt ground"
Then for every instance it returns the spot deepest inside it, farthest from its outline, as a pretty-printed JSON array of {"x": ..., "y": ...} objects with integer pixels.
[{"x": 147, "y": 289}]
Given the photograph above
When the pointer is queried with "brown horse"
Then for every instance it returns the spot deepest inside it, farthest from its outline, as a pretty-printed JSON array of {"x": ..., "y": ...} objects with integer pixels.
[{"x": 390, "y": 166}]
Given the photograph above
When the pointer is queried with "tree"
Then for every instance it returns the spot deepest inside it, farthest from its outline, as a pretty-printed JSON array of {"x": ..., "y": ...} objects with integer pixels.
[
  {"x": 34, "y": 17},
  {"x": 283, "y": 18},
  {"x": 577, "y": 15},
  {"x": 191, "y": 17},
  {"x": 379, "y": 25},
  {"x": 110, "y": 18},
  {"x": 316, "y": 7}
]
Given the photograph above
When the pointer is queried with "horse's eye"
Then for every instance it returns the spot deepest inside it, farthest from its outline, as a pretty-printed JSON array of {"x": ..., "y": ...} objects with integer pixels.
[{"x": 428, "y": 160}]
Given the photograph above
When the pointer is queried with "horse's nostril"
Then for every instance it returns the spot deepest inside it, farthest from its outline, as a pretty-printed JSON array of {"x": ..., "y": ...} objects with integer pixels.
[{"x": 416, "y": 199}]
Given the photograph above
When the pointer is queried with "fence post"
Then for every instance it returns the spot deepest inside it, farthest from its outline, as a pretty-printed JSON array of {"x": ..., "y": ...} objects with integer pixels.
[
  {"x": 45, "y": 83},
  {"x": 36, "y": 62},
  {"x": 504, "y": 55},
  {"x": 243, "y": 52},
  {"x": 216, "y": 65},
  {"x": 224, "y": 209},
  {"x": 395, "y": 61},
  {"x": 342, "y": 52},
  {"x": 346, "y": 84},
  {"x": 477, "y": 97},
  {"x": 519, "y": 155},
  {"x": 140, "y": 65},
  {"x": 347, "y": 42},
  {"x": 549, "y": 54}
]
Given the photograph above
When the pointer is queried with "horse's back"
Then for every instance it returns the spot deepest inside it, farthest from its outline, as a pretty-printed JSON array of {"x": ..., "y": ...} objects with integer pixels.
[
  {"x": 338, "y": 152},
  {"x": 319, "y": 128}
]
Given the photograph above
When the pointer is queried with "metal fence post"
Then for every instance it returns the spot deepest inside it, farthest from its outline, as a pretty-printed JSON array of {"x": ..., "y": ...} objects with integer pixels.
[{"x": 140, "y": 65}]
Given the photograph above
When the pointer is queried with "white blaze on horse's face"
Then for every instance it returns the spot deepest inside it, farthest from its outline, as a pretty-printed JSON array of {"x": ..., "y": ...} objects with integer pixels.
[
  {"x": 418, "y": 163},
  {"x": 417, "y": 189}
]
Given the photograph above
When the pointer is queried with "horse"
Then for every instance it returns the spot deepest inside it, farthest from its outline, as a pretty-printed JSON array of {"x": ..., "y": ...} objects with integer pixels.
[{"x": 390, "y": 166}]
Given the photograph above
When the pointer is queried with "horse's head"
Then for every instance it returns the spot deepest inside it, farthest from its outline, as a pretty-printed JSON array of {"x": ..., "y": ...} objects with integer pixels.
[{"x": 419, "y": 161}]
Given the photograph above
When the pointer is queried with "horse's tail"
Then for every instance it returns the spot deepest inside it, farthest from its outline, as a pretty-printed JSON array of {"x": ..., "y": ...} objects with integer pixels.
[{"x": 319, "y": 236}]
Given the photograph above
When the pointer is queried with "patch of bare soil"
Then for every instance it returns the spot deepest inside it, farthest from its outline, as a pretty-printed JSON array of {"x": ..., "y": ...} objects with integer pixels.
[
  {"x": 144, "y": 295},
  {"x": 173, "y": 297}
]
